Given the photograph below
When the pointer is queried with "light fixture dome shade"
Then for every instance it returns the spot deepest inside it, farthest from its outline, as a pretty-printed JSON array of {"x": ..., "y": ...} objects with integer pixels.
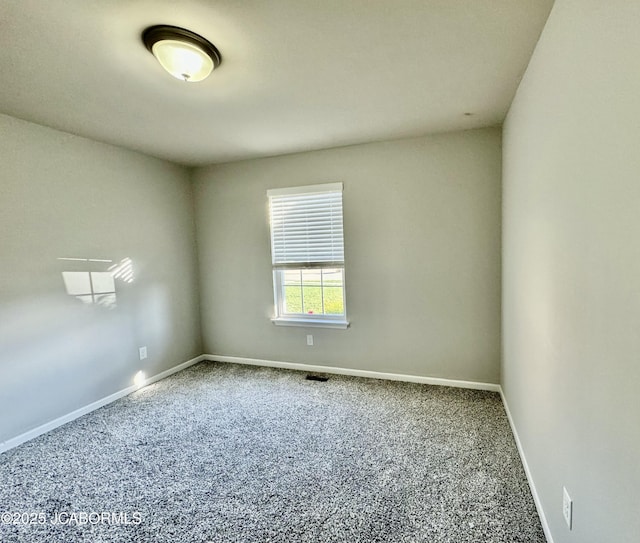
[
  {"x": 182, "y": 53},
  {"x": 183, "y": 60}
]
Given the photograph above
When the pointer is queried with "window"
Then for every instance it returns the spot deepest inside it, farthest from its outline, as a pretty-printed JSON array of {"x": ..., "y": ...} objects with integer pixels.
[{"x": 307, "y": 253}]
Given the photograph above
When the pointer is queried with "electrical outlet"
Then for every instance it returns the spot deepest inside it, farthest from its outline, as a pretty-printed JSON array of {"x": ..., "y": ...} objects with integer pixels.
[
  {"x": 309, "y": 339},
  {"x": 567, "y": 507},
  {"x": 143, "y": 352}
]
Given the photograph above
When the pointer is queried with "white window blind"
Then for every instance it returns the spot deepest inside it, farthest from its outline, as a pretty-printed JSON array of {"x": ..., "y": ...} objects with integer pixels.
[{"x": 306, "y": 226}]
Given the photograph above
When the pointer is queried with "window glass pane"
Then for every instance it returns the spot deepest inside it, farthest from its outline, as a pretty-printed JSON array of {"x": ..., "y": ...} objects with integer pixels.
[
  {"x": 312, "y": 300},
  {"x": 333, "y": 292},
  {"x": 312, "y": 292},
  {"x": 332, "y": 277},
  {"x": 312, "y": 278},
  {"x": 291, "y": 277},
  {"x": 333, "y": 301},
  {"x": 292, "y": 299}
]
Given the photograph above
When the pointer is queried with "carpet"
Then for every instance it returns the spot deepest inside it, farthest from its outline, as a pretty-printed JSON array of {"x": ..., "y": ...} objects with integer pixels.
[{"x": 229, "y": 453}]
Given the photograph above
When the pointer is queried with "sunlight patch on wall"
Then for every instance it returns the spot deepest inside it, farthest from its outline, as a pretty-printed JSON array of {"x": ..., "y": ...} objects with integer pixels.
[
  {"x": 92, "y": 284},
  {"x": 123, "y": 270},
  {"x": 139, "y": 379}
]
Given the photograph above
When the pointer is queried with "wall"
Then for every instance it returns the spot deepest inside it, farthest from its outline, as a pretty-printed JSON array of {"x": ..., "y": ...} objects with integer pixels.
[
  {"x": 571, "y": 321},
  {"x": 63, "y": 196},
  {"x": 422, "y": 251}
]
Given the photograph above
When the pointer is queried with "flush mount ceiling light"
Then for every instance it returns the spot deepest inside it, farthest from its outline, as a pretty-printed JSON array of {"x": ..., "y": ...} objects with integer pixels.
[{"x": 184, "y": 54}]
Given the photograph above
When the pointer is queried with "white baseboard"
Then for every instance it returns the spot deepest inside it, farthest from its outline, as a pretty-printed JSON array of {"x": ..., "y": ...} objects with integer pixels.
[
  {"x": 523, "y": 458},
  {"x": 48, "y": 426},
  {"x": 173, "y": 370},
  {"x": 356, "y": 373}
]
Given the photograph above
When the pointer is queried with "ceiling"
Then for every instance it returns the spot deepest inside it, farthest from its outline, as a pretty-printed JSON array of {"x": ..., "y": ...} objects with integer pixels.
[{"x": 296, "y": 75}]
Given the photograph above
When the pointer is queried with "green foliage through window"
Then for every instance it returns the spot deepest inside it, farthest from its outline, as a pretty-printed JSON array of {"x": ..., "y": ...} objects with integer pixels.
[{"x": 314, "y": 292}]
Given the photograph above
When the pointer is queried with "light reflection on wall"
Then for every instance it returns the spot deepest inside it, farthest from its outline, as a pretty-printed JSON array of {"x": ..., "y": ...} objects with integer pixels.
[
  {"x": 139, "y": 379},
  {"x": 123, "y": 270},
  {"x": 92, "y": 283}
]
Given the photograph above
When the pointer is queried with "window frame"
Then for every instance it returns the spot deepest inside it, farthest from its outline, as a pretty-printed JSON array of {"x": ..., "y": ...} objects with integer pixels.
[
  {"x": 326, "y": 320},
  {"x": 281, "y": 316}
]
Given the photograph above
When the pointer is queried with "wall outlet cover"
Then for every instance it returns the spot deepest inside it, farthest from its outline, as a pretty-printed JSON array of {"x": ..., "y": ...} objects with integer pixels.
[{"x": 143, "y": 353}]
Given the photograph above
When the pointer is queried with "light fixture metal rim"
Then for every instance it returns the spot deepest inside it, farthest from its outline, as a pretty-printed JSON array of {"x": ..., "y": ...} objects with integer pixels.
[{"x": 156, "y": 33}]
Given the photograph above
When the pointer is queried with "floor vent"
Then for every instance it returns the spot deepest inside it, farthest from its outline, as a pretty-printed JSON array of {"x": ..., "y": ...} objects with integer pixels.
[{"x": 317, "y": 378}]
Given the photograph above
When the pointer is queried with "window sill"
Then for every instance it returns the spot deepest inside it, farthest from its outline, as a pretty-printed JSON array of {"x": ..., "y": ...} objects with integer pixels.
[{"x": 315, "y": 322}]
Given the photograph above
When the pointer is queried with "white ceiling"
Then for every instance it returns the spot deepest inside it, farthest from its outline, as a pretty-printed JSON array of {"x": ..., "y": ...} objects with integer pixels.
[{"x": 295, "y": 74}]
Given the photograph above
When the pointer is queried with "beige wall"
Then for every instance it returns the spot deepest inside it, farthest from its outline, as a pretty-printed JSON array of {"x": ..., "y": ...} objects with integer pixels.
[
  {"x": 422, "y": 251},
  {"x": 571, "y": 321},
  {"x": 65, "y": 196}
]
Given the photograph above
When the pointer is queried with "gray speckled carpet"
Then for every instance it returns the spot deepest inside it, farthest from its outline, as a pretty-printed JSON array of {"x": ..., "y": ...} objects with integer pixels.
[{"x": 222, "y": 452}]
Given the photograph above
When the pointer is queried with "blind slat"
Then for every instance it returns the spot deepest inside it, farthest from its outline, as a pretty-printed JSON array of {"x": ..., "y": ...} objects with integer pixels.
[{"x": 307, "y": 227}]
